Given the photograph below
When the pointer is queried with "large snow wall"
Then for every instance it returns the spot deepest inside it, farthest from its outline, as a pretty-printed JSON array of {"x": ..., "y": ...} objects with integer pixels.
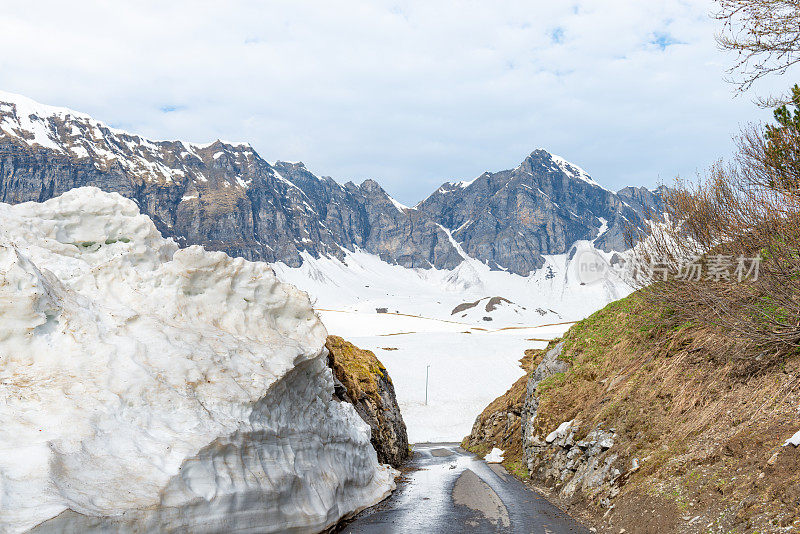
[{"x": 145, "y": 387}]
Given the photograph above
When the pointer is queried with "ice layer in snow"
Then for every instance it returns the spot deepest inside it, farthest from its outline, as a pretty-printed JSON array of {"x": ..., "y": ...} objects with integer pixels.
[{"x": 163, "y": 388}]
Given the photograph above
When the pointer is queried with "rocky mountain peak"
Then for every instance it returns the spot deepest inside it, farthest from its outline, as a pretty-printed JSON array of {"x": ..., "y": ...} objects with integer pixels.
[
  {"x": 224, "y": 196},
  {"x": 293, "y": 164},
  {"x": 543, "y": 161}
]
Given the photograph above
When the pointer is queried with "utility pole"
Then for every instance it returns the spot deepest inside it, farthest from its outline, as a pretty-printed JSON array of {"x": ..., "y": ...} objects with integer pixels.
[{"x": 427, "y": 371}]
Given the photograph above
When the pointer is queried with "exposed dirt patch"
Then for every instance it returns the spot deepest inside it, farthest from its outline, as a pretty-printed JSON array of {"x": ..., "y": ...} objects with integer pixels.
[
  {"x": 494, "y": 302},
  {"x": 464, "y": 306}
]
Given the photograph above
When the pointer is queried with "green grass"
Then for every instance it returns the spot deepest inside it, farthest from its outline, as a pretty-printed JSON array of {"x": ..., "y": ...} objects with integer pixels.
[
  {"x": 517, "y": 468},
  {"x": 552, "y": 382}
]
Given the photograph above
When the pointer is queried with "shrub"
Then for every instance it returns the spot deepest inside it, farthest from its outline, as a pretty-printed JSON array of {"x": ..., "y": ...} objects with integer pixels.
[{"x": 749, "y": 208}]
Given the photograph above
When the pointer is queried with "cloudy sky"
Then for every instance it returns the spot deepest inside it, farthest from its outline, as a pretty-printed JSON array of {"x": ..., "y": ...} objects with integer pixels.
[{"x": 409, "y": 93}]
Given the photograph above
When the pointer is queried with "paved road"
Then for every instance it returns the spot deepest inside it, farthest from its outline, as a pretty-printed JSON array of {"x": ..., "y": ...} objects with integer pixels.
[{"x": 448, "y": 490}]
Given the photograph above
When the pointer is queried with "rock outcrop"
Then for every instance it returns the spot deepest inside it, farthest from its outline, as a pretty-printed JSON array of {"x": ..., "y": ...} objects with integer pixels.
[
  {"x": 364, "y": 382},
  {"x": 549, "y": 366},
  {"x": 586, "y": 466},
  {"x": 583, "y": 468}
]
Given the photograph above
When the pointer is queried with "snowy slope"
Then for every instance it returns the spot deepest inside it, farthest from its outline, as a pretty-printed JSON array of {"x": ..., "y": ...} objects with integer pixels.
[
  {"x": 184, "y": 388},
  {"x": 472, "y": 360},
  {"x": 77, "y": 135},
  {"x": 364, "y": 283}
]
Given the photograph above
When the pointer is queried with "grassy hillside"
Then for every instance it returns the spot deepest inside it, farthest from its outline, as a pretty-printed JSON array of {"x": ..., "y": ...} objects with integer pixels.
[{"x": 707, "y": 435}]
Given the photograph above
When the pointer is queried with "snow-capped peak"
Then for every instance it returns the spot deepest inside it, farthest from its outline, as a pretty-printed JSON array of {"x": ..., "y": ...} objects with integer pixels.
[
  {"x": 33, "y": 123},
  {"x": 568, "y": 168},
  {"x": 26, "y": 119},
  {"x": 81, "y": 137},
  {"x": 27, "y": 106},
  {"x": 573, "y": 170}
]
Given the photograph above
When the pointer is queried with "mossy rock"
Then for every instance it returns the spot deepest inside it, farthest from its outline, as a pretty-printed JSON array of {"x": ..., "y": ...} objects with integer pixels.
[{"x": 357, "y": 369}]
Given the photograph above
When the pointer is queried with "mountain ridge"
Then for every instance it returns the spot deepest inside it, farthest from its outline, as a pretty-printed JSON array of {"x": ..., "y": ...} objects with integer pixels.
[{"x": 225, "y": 196}]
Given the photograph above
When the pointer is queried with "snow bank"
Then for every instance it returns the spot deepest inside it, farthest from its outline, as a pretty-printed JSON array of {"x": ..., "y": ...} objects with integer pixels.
[
  {"x": 495, "y": 456},
  {"x": 184, "y": 388},
  {"x": 794, "y": 440}
]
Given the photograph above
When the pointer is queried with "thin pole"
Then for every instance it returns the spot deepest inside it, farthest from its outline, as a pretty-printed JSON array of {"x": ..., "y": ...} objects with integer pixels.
[{"x": 427, "y": 369}]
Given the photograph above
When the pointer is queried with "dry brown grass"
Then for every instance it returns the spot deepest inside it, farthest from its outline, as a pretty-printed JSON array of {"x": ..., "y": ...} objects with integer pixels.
[
  {"x": 748, "y": 209},
  {"x": 703, "y": 433}
]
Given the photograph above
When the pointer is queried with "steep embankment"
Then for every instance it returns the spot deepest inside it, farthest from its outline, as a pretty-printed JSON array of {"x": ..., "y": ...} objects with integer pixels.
[
  {"x": 500, "y": 424},
  {"x": 362, "y": 380},
  {"x": 149, "y": 388},
  {"x": 632, "y": 423}
]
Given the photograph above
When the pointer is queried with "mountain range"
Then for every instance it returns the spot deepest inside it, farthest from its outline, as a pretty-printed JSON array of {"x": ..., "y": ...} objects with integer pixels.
[{"x": 225, "y": 196}]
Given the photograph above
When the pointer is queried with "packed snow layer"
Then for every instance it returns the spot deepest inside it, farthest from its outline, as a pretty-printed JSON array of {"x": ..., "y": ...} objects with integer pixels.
[
  {"x": 469, "y": 357},
  {"x": 495, "y": 456},
  {"x": 164, "y": 389}
]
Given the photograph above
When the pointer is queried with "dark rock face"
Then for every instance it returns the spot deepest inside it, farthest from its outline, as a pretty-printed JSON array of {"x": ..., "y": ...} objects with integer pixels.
[
  {"x": 363, "y": 381},
  {"x": 548, "y": 367},
  {"x": 511, "y": 218},
  {"x": 226, "y": 197},
  {"x": 366, "y": 217}
]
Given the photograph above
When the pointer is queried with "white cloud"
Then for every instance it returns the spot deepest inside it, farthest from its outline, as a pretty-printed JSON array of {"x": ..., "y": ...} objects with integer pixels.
[{"x": 410, "y": 93}]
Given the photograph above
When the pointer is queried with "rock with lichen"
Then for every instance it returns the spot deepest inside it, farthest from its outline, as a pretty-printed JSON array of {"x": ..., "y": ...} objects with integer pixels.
[{"x": 363, "y": 381}]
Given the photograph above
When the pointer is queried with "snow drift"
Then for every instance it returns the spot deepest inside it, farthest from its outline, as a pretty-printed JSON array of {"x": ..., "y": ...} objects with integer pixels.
[{"x": 162, "y": 388}]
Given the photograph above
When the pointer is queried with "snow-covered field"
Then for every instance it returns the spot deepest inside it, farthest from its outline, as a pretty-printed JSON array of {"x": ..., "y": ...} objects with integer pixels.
[
  {"x": 183, "y": 388},
  {"x": 472, "y": 356}
]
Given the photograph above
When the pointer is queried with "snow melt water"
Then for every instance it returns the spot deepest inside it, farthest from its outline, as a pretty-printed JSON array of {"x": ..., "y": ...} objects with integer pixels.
[{"x": 183, "y": 388}]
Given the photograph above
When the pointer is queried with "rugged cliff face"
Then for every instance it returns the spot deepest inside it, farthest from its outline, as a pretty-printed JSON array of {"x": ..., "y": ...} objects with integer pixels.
[
  {"x": 367, "y": 217},
  {"x": 364, "y": 382},
  {"x": 510, "y": 218},
  {"x": 224, "y": 196}
]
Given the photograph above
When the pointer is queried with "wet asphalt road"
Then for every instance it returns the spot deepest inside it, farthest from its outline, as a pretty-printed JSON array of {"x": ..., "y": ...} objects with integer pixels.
[{"x": 448, "y": 490}]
